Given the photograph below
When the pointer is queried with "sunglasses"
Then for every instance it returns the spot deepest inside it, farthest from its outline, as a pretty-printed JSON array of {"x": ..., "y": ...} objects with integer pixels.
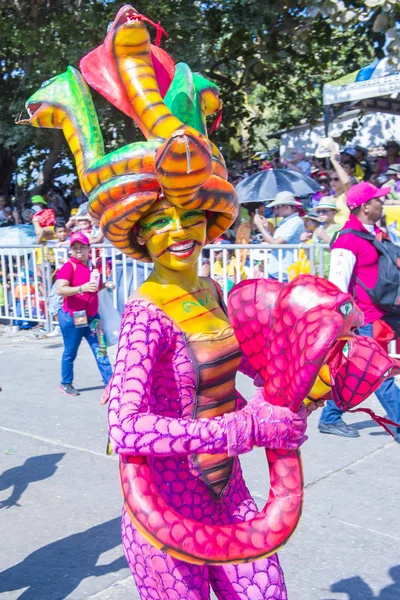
[
  {"x": 322, "y": 212},
  {"x": 333, "y": 178},
  {"x": 346, "y": 164}
]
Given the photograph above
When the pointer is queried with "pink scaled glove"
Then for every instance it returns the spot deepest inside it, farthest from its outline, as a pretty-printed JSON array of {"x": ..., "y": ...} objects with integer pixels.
[{"x": 264, "y": 425}]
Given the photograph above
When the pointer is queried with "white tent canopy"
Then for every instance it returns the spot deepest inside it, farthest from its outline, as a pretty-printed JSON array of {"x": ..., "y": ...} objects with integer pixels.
[{"x": 375, "y": 87}]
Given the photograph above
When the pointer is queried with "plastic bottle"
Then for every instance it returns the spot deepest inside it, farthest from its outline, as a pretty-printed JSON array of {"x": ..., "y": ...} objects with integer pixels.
[{"x": 95, "y": 277}]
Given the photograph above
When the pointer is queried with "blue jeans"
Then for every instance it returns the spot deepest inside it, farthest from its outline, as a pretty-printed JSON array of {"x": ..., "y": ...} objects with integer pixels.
[
  {"x": 388, "y": 393},
  {"x": 72, "y": 339}
]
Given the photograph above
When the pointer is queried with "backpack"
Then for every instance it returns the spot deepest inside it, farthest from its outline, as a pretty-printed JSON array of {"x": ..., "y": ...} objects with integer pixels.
[{"x": 386, "y": 293}]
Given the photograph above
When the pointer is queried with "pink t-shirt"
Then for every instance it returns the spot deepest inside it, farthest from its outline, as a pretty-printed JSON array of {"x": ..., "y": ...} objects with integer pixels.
[
  {"x": 365, "y": 268},
  {"x": 384, "y": 164},
  {"x": 78, "y": 275}
]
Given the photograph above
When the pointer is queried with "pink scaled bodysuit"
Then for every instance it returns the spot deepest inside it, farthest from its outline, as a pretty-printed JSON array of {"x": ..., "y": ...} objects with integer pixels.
[{"x": 169, "y": 400}]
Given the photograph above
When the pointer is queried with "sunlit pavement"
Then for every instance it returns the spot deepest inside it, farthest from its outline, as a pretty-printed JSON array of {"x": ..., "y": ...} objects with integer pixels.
[{"x": 60, "y": 499}]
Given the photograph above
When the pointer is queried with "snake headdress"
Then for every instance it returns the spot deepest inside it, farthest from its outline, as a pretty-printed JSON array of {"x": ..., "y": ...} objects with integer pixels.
[{"x": 169, "y": 103}]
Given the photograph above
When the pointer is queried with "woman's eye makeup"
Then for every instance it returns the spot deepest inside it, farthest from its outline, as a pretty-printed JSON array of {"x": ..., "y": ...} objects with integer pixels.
[
  {"x": 156, "y": 224},
  {"x": 193, "y": 213}
]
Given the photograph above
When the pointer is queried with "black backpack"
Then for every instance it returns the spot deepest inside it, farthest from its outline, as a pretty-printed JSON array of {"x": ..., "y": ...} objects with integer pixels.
[{"x": 386, "y": 293}]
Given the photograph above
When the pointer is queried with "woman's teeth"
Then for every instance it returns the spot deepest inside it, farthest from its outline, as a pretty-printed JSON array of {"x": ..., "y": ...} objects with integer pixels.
[{"x": 182, "y": 247}]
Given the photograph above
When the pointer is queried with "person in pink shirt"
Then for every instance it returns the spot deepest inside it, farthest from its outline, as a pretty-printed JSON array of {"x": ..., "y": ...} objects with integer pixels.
[
  {"x": 392, "y": 157},
  {"x": 78, "y": 317},
  {"x": 355, "y": 258}
]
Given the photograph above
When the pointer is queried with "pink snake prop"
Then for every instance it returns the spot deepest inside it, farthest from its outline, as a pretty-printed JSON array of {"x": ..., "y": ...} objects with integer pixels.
[{"x": 288, "y": 332}]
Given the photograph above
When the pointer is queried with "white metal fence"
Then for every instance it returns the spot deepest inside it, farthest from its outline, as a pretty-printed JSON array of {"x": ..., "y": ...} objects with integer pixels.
[{"x": 27, "y": 273}]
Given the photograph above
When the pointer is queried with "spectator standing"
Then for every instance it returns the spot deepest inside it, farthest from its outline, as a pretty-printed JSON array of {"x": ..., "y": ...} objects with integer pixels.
[
  {"x": 392, "y": 157},
  {"x": 5, "y": 212},
  {"x": 298, "y": 162},
  {"x": 311, "y": 223},
  {"x": 323, "y": 182},
  {"x": 340, "y": 183},
  {"x": 78, "y": 317},
  {"x": 349, "y": 157},
  {"x": 318, "y": 168},
  {"x": 393, "y": 174},
  {"x": 38, "y": 203},
  {"x": 354, "y": 259},
  {"x": 350, "y": 165},
  {"x": 326, "y": 212},
  {"x": 362, "y": 159},
  {"x": 288, "y": 231}
]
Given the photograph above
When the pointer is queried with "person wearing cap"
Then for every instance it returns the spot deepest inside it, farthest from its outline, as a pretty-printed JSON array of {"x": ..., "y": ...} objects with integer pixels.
[
  {"x": 311, "y": 223},
  {"x": 362, "y": 159},
  {"x": 355, "y": 258},
  {"x": 393, "y": 181},
  {"x": 288, "y": 231},
  {"x": 351, "y": 165},
  {"x": 78, "y": 317},
  {"x": 326, "y": 212},
  {"x": 38, "y": 203}
]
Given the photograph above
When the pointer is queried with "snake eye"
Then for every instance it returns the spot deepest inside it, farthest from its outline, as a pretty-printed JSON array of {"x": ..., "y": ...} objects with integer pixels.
[
  {"x": 387, "y": 372},
  {"x": 345, "y": 350},
  {"x": 346, "y": 309}
]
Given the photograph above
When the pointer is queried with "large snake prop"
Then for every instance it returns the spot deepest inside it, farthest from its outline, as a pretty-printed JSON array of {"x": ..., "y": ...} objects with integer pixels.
[
  {"x": 300, "y": 338},
  {"x": 177, "y": 158}
]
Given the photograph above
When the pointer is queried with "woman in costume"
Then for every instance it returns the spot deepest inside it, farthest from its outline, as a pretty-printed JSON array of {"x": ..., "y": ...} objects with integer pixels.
[{"x": 173, "y": 399}]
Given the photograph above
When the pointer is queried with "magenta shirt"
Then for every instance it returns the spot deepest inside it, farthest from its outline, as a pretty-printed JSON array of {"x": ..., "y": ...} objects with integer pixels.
[
  {"x": 384, "y": 164},
  {"x": 76, "y": 276},
  {"x": 366, "y": 268}
]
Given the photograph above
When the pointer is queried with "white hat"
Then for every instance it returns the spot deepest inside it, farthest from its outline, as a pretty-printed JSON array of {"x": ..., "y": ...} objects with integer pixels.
[
  {"x": 284, "y": 199},
  {"x": 323, "y": 148}
]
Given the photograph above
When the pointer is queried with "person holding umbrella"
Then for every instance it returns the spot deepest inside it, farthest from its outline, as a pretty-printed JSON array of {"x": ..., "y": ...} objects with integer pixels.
[{"x": 288, "y": 231}]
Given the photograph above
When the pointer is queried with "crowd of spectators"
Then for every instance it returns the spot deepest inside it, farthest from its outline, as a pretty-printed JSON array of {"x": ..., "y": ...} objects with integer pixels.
[{"x": 286, "y": 220}]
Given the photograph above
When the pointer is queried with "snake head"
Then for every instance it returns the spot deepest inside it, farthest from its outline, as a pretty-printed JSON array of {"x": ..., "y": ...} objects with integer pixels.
[
  {"x": 358, "y": 368},
  {"x": 288, "y": 331},
  {"x": 46, "y": 107},
  {"x": 183, "y": 164}
]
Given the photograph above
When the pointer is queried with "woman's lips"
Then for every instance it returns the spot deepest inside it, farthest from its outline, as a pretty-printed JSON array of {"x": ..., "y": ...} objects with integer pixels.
[{"x": 182, "y": 249}]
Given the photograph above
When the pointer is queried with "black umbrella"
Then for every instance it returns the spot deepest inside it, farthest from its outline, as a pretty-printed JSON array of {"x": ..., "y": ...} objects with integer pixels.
[{"x": 264, "y": 186}]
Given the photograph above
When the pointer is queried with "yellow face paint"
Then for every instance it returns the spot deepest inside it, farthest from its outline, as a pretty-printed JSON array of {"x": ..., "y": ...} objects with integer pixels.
[{"x": 174, "y": 236}]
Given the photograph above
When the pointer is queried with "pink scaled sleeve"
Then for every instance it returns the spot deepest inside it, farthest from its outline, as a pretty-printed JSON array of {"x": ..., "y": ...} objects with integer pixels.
[{"x": 145, "y": 337}]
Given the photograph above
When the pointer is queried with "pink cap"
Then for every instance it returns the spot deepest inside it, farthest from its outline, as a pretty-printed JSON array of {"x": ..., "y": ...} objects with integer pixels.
[
  {"x": 78, "y": 236},
  {"x": 364, "y": 192}
]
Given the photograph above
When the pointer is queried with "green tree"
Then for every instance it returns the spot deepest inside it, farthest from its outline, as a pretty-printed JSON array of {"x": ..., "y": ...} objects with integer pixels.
[{"x": 270, "y": 60}]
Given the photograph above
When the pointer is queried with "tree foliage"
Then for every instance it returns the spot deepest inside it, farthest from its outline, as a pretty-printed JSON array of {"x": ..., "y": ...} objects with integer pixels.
[{"x": 270, "y": 60}]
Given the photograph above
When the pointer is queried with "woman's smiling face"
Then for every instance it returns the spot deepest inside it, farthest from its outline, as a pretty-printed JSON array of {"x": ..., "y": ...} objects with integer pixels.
[{"x": 174, "y": 236}]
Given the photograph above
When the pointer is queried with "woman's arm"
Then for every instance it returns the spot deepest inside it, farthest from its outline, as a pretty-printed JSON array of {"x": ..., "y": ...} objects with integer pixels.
[
  {"x": 64, "y": 288},
  {"x": 144, "y": 339},
  {"x": 341, "y": 173}
]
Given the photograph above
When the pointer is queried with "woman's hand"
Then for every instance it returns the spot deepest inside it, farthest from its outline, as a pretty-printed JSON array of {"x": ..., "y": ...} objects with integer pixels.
[
  {"x": 322, "y": 235},
  {"x": 258, "y": 221},
  {"x": 266, "y": 426},
  {"x": 110, "y": 285},
  {"x": 90, "y": 286},
  {"x": 306, "y": 235}
]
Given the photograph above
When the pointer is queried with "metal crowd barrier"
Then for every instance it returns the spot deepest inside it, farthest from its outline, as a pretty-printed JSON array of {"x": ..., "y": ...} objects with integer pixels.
[{"x": 27, "y": 273}]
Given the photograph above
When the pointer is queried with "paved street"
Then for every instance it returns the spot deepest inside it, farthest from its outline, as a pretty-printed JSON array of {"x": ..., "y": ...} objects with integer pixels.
[{"x": 60, "y": 499}]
